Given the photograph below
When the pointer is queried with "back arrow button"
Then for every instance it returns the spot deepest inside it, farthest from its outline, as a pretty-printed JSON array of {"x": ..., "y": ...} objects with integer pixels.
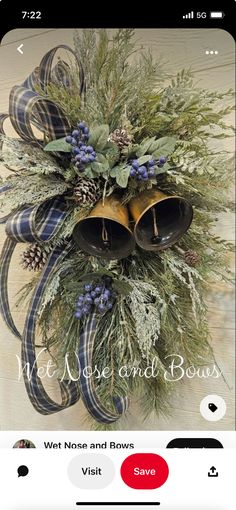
[{"x": 20, "y": 48}]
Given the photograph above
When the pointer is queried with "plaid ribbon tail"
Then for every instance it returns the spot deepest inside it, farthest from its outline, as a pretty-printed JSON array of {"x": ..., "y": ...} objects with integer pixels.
[
  {"x": 5, "y": 260},
  {"x": 87, "y": 388},
  {"x": 36, "y": 392},
  {"x": 4, "y": 187}
]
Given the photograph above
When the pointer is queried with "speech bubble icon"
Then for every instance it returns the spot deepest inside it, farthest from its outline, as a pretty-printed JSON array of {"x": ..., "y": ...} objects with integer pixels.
[{"x": 22, "y": 471}]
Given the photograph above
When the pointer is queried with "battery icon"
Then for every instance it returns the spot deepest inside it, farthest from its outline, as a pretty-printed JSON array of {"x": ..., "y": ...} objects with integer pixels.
[{"x": 216, "y": 14}]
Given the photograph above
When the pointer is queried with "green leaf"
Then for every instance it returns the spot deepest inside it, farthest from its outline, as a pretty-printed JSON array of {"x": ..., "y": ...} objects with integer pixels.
[
  {"x": 98, "y": 137},
  {"x": 89, "y": 277},
  {"x": 103, "y": 161},
  {"x": 112, "y": 153},
  {"x": 144, "y": 159},
  {"x": 115, "y": 170},
  {"x": 122, "y": 176},
  {"x": 89, "y": 173},
  {"x": 97, "y": 167},
  {"x": 121, "y": 173},
  {"x": 59, "y": 145},
  {"x": 119, "y": 285},
  {"x": 164, "y": 146},
  {"x": 122, "y": 287},
  {"x": 144, "y": 147},
  {"x": 163, "y": 169},
  {"x": 130, "y": 151}
]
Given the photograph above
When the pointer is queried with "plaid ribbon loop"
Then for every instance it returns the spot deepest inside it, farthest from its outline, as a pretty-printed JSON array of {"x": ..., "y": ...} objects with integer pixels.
[
  {"x": 37, "y": 223},
  {"x": 89, "y": 395},
  {"x": 27, "y": 107},
  {"x": 3, "y": 117}
]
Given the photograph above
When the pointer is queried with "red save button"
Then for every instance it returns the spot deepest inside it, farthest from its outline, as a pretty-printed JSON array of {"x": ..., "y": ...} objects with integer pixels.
[{"x": 144, "y": 471}]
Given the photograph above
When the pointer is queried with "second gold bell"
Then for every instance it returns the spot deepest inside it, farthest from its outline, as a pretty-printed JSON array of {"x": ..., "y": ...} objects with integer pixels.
[{"x": 160, "y": 220}]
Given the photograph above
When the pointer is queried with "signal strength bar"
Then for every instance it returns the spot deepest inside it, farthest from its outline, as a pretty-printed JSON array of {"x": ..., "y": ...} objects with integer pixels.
[{"x": 190, "y": 15}]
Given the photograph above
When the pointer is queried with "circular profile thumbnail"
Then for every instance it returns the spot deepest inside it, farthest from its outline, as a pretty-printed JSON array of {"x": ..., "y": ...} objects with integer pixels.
[{"x": 24, "y": 443}]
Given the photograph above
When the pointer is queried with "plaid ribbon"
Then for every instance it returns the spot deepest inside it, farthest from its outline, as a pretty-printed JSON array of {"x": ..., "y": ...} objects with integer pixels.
[
  {"x": 61, "y": 76},
  {"x": 31, "y": 81},
  {"x": 4, "y": 187},
  {"x": 5, "y": 260},
  {"x": 45, "y": 68},
  {"x": 33, "y": 224},
  {"x": 27, "y": 107},
  {"x": 36, "y": 392},
  {"x": 38, "y": 223},
  {"x": 87, "y": 387},
  {"x": 3, "y": 117}
]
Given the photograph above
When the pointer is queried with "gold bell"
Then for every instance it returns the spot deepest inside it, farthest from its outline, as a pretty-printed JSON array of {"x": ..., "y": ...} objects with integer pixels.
[
  {"x": 160, "y": 220},
  {"x": 105, "y": 232}
]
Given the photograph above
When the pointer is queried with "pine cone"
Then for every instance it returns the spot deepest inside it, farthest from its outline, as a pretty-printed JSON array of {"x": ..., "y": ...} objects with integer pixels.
[
  {"x": 121, "y": 138},
  {"x": 87, "y": 191},
  {"x": 34, "y": 258},
  {"x": 191, "y": 257}
]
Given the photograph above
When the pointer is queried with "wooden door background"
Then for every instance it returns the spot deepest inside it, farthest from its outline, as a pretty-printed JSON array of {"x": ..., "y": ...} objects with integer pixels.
[{"x": 178, "y": 49}]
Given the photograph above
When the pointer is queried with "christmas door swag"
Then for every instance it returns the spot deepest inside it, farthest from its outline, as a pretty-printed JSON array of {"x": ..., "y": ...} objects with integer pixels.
[{"x": 104, "y": 203}]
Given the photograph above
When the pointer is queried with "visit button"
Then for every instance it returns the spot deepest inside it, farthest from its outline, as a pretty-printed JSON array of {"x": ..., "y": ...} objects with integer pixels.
[{"x": 144, "y": 471}]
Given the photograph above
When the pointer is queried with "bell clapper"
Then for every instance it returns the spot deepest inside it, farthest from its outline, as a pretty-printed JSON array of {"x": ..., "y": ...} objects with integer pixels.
[
  {"x": 105, "y": 238},
  {"x": 155, "y": 238},
  {"x": 104, "y": 192}
]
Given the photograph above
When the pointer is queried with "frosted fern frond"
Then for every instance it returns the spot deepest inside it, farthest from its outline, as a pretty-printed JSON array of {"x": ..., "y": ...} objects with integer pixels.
[
  {"x": 147, "y": 307},
  {"x": 187, "y": 276},
  {"x": 18, "y": 155}
]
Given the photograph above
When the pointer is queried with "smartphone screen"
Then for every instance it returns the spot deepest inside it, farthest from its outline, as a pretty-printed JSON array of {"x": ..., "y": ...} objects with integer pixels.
[{"x": 117, "y": 346}]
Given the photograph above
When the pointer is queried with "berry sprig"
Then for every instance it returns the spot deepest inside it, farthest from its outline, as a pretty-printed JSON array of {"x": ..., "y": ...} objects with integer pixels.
[
  {"x": 99, "y": 297},
  {"x": 147, "y": 171},
  {"x": 83, "y": 154}
]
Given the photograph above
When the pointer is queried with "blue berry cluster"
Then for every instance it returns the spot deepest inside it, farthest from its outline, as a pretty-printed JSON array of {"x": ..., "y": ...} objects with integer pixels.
[
  {"x": 147, "y": 171},
  {"x": 83, "y": 154},
  {"x": 97, "y": 297}
]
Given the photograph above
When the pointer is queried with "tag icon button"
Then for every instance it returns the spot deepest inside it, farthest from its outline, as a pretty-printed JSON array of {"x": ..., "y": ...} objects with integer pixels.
[{"x": 213, "y": 408}]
